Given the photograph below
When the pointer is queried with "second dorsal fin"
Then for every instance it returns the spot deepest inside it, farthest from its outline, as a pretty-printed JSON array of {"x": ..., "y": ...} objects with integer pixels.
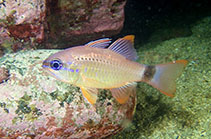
[{"x": 124, "y": 46}]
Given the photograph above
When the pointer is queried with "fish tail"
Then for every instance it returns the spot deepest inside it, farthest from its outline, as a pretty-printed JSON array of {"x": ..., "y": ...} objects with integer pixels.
[{"x": 163, "y": 76}]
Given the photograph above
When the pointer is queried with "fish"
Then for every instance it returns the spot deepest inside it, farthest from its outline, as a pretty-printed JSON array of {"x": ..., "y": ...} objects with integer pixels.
[{"x": 101, "y": 64}]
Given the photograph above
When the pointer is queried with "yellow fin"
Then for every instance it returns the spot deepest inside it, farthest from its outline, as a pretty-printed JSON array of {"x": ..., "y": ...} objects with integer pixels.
[
  {"x": 122, "y": 94},
  {"x": 130, "y": 38},
  {"x": 90, "y": 94}
]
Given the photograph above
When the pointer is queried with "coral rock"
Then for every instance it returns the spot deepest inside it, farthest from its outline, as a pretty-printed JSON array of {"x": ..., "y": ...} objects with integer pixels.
[
  {"x": 22, "y": 19},
  {"x": 77, "y": 22},
  {"x": 59, "y": 21},
  {"x": 35, "y": 105},
  {"x": 4, "y": 75}
]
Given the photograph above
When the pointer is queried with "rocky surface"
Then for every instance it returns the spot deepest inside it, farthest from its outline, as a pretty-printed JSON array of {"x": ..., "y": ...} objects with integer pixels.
[
  {"x": 4, "y": 75},
  {"x": 35, "y": 105},
  {"x": 77, "y": 22},
  {"x": 22, "y": 20},
  {"x": 27, "y": 23}
]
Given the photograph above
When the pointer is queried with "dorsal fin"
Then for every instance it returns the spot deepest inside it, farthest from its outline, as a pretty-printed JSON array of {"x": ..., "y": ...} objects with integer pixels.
[
  {"x": 124, "y": 46},
  {"x": 101, "y": 43}
]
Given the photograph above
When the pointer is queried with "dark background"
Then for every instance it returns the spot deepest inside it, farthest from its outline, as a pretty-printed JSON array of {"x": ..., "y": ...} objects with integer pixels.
[{"x": 143, "y": 17}]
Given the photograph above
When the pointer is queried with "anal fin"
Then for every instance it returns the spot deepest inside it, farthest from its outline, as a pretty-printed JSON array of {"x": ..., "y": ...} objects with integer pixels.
[
  {"x": 122, "y": 93},
  {"x": 90, "y": 94}
]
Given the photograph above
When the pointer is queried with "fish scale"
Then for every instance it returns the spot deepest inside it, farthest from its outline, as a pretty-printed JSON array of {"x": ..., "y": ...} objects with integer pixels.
[{"x": 108, "y": 73}]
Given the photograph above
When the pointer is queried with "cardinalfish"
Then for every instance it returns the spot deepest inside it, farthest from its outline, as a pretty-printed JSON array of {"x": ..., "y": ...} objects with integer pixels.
[{"x": 101, "y": 65}]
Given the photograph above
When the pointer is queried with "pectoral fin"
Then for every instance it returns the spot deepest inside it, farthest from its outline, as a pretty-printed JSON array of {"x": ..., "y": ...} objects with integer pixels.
[
  {"x": 122, "y": 94},
  {"x": 90, "y": 94}
]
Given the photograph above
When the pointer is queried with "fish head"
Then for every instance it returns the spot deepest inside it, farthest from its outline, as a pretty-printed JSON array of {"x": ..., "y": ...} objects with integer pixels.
[{"x": 58, "y": 66}]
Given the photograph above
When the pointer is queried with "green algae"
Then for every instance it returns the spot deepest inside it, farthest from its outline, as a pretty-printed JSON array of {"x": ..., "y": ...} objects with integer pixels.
[
  {"x": 187, "y": 115},
  {"x": 106, "y": 96},
  {"x": 30, "y": 112},
  {"x": 3, "y": 105},
  {"x": 66, "y": 97}
]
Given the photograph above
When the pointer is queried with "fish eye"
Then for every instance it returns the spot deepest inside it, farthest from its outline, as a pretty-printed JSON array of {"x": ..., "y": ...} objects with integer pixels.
[{"x": 56, "y": 64}]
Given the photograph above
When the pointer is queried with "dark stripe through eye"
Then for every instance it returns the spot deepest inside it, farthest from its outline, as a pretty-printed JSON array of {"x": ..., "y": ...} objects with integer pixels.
[{"x": 56, "y": 64}]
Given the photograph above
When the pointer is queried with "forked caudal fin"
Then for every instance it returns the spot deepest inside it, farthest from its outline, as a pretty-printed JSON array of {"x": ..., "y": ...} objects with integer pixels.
[{"x": 163, "y": 76}]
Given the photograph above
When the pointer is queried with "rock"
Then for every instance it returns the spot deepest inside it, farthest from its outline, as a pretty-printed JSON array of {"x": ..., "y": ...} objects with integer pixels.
[
  {"x": 68, "y": 22},
  {"x": 4, "y": 75},
  {"x": 77, "y": 22},
  {"x": 1, "y": 52},
  {"x": 22, "y": 20},
  {"x": 35, "y": 105}
]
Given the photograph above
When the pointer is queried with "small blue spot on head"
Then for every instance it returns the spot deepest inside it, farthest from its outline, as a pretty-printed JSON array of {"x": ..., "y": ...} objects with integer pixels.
[
  {"x": 77, "y": 70},
  {"x": 56, "y": 64}
]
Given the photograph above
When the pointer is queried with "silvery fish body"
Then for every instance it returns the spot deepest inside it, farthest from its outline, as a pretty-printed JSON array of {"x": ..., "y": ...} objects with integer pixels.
[{"x": 93, "y": 66}]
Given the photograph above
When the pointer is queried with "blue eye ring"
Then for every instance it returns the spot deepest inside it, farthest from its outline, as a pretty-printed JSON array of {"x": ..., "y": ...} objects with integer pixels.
[{"x": 56, "y": 64}]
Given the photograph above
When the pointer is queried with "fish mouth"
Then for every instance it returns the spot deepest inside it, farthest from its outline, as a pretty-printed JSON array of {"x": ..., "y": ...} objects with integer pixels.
[
  {"x": 50, "y": 71},
  {"x": 47, "y": 68},
  {"x": 46, "y": 64}
]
